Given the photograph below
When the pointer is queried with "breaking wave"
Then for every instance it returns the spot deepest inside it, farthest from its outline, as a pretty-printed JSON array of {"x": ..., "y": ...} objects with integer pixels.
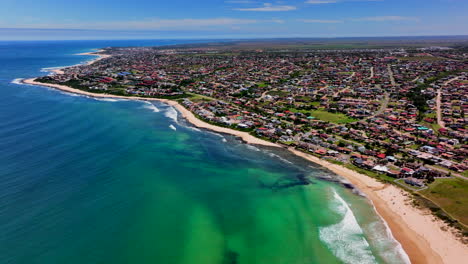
[
  {"x": 252, "y": 148},
  {"x": 193, "y": 128},
  {"x": 172, "y": 114},
  {"x": 273, "y": 155},
  {"x": 107, "y": 99},
  {"x": 152, "y": 107},
  {"x": 17, "y": 81},
  {"x": 389, "y": 250},
  {"x": 214, "y": 133},
  {"x": 345, "y": 239}
]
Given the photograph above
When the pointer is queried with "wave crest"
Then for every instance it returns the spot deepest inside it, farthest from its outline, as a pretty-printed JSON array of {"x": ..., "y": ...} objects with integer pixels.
[
  {"x": 17, "y": 81},
  {"x": 152, "y": 107},
  {"x": 345, "y": 239},
  {"x": 172, "y": 114}
]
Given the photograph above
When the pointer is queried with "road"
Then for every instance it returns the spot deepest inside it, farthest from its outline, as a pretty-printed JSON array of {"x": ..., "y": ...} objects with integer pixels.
[
  {"x": 382, "y": 108},
  {"x": 440, "y": 122},
  {"x": 390, "y": 74}
]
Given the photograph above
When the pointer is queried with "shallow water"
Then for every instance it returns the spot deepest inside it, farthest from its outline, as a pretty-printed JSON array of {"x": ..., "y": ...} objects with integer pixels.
[{"x": 86, "y": 180}]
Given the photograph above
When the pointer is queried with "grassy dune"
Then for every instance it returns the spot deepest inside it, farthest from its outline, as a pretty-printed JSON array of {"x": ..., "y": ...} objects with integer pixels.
[{"x": 451, "y": 195}]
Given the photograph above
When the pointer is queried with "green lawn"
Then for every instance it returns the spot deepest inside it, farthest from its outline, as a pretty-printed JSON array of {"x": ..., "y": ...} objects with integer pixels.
[
  {"x": 322, "y": 114},
  {"x": 336, "y": 118},
  {"x": 198, "y": 97},
  {"x": 451, "y": 195}
]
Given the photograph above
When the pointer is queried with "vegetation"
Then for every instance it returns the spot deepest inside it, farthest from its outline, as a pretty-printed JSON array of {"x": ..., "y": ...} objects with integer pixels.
[
  {"x": 337, "y": 118},
  {"x": 451, "y": 195},
  {"x": 417, "y": 97}
]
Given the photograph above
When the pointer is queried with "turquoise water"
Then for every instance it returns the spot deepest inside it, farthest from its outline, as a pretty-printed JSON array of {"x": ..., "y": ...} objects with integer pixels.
[{"x": 112, "y": 181}]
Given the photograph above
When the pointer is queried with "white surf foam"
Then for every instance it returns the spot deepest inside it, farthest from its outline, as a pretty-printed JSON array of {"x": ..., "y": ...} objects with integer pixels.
[
  {"x": 214, "y": 133},
  {"x": 390, "y": 250},
  {"x": 193, "y": 128},
  {"x": 345, "y": 239},
  {"x": 273, "y": 155},
  {"x": 17, "y": 81},
  {"x": 252, "y": 147},
  {"x": 171, "y": 113},
  {"x": 173, "y": 127},
  {"x": 152, "y": 107},
  {"x": 106, "y": 99}
]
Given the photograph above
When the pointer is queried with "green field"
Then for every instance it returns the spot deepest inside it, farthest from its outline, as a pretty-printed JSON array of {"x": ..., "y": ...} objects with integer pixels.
[
  {"x": 198, "y": 97},
  {"x": 322, "y": 114},
  {"x": 451, "y": 195},
  {"x": 336, "y": 118}
]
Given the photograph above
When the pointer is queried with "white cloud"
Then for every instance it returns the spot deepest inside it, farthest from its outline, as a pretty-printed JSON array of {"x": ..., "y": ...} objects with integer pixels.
[
  {"x": 321, "y": 21},
  {"x": 267, "y": 7},
  {"x": 386, "y": 18}
]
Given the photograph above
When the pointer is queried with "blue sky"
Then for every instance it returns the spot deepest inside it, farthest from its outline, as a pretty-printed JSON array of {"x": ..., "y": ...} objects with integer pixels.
[{"x": 117, "y": 19}]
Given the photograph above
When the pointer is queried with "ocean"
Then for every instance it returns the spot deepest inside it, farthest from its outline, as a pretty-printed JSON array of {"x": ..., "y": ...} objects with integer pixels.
[{"x": 86, "y": 180}]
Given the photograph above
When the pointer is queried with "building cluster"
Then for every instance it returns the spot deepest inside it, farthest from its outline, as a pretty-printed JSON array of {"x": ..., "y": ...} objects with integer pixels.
[{"x": 398, "y": 112}]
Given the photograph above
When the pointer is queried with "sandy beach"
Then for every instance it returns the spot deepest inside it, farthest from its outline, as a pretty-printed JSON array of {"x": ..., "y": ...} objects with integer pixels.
[
  {"x": 94, "y": 53},
  {"x": 420, "y": 234}
]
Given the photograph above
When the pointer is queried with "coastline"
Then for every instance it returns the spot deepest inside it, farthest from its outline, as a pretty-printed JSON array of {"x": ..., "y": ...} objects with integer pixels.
[
  {"x": 92, "y": 53},
  {"x": 419, "y": 233}
]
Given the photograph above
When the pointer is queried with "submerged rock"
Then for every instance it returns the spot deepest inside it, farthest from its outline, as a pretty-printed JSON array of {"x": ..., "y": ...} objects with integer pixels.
[
  {"x": 230, "y": 257},
  {"x": 288, "y": 182}
]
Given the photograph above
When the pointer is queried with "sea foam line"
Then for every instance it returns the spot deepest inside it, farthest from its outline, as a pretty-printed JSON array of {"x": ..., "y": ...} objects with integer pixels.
[
  {"x": 399, "y": 248},
  {"x": 273, "y": 155},
  {"x": 345, "y": 239},
  {"x": 172, "y": 114},
  {"x": 18, "y": 81},
  {"x": 151, "y": 106}
]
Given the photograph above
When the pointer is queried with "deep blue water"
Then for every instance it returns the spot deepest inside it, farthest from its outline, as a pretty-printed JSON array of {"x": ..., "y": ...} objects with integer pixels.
[{"x": 105, "y": 181}]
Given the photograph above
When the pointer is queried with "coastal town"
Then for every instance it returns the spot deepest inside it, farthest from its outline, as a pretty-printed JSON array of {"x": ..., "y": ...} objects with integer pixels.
[
  {"x": 399, "y": 115},
  {"x": 390, "y": 111}
]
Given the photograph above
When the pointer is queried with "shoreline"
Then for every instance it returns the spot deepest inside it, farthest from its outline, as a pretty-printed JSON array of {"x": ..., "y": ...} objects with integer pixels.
[
  {"x": 91, "y": 53},
  {"x": 419, "y": 233}
]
